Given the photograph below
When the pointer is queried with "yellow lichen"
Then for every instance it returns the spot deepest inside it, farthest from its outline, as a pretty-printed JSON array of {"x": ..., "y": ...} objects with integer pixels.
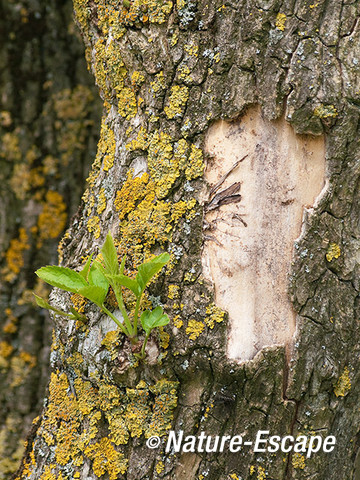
[
  {"x": 5, "y": 118},
  {"x": 109, "y": 68},
  {"x": 144, "y": 409},
  {"x": 106, "y": 459},
  {"x": 79, "y": 302},
  {"x": 11, "y": 322},
  {"x": 195, "y": 166},
  {"x": 5, "y": 349},
  {"x": 101, "y": 202},
  {"x": 138, "y": 410},
  {"x": 111, "y": 343},
  {"x": 127, "y": 103},
  {"x": 10, "y": 147},
  {"x": 261, "y": 473},
  {"x": 326, "y": 111},
  {"x": 137, "y": 78},
  {"x": 14, "y": 255},
  {"x": 87, "y": 396},
  {"x": 61, "y": 422},
  {"x": 333, "y": 252},
  {"x": 52, "y": 220},
  {"x": 109, "y": 396},
  {"x": 174, "y": 39},
  {"x": 82, "y": 12},
  {"x": 159, "y": 467},
  {"x": 140, "y": 142},
  {"x": 20, "y": 180},
  {"x": 163, "y": 165},
  {"x": 93, "y": 226},
  {"x": 162, "y": 411},
  {"x": 192, "y": 50},
  {"x": 21, "y": 365},
  {"x": 177, "y": 101},
  {"x": 61, "y": 246},
  {"x": 184, "y": 72},
  {"x": 132, "y": 190},
  {"x": 194, "y": 329},
  {"x": 119, "y": 433},
  {"x": 298, "y": 461},
  {"x": 164, "y": 338},
  {"x": 173, "y": 291},
  {"x": 178, "y": 323},
  {"x": 159, "y": 83},
  {"x": 106, "y": 147},
  {"x": 214, "y": 315},
  {"x": 343, "y": 385},
  {"x": 280, "y": 21}
]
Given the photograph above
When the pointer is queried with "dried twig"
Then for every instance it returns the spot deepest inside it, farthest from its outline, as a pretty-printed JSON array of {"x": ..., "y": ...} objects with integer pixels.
[{"x": 224, "y": 177}]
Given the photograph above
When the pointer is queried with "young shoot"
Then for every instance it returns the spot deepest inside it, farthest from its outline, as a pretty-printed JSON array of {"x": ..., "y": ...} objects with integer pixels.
[{"x": 93, "y": 282}]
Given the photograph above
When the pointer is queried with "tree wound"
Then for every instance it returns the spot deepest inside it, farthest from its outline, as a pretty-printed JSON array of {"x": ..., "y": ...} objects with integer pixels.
[{"x": 262, "y": 176}]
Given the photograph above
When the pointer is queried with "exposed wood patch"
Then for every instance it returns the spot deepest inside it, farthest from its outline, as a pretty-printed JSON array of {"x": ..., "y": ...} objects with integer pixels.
[{"x": 262, "y": 176}]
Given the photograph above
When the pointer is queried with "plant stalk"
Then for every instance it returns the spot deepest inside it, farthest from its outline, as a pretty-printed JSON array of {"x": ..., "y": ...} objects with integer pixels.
[
  {"x": 112, "y": 316},
  {"x": 144, "y": 345},
  {"x": 136, "y": 314},
  {"x": 118, "y": 295}
]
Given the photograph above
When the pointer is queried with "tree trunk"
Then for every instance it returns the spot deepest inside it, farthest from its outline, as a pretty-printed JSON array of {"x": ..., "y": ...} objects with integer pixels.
[
  {"x": 265, "y": 96},
  {"x": 48, "y": 131}
]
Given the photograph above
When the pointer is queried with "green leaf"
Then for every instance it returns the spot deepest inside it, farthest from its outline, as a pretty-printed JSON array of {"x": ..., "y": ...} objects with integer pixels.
[
  {"x": 62, "y": 277},
  {"x": 94, "y": 293},
  {"x": 84, "y": 272},
  {"x": 77, "y": 315},
  {"x": 43, "y": 304},
  {"x": 97, "y": 276},
  {"x": 122, "y": 266},
  {"x": 148, "y": 269},
  {"x": 127, "y": 282},
  {"x": 153, "y": 319},
  {"x": 109, "y": 254}
]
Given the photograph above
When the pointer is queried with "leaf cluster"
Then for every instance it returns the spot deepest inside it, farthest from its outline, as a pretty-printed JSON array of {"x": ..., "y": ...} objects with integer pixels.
[{"x": 93, "y": 283}]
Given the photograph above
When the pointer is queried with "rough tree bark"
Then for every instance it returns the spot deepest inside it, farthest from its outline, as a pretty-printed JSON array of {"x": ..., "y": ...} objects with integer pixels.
[
  {"x": 49, "y": 121},
  {"x": 168, "y": 71}
]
